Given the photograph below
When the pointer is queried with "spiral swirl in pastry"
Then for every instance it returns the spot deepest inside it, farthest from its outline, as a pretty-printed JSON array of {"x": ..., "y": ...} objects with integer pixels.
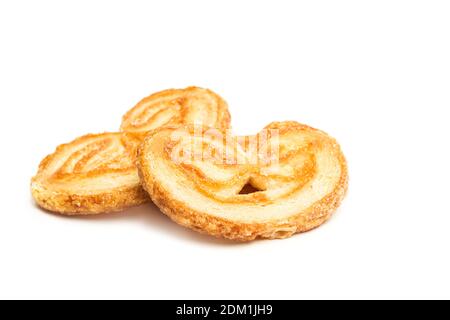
[
  {"x": 92, "y": 174},
  {"x": 176, "y": 107}
]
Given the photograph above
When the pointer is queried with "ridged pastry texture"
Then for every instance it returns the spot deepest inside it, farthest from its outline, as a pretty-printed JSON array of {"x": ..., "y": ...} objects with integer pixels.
[
  {"x": 97, "y": 173},
  {"x": 175, "y": 107},
  {"x": 203, "y": 190},
  {"x": 92, "y": 174}
]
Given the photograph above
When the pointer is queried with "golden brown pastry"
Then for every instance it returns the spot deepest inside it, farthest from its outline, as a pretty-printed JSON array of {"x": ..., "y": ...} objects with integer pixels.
[
  {"x": 93, "y": 174},
  {"x": 177, "y": 106},
  {"x": 97, "y": 173},
  {"x": 290, "y": 180}
]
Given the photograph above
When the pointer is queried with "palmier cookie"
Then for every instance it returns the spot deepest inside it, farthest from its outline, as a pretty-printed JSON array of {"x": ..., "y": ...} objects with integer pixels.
[
  {"x": 92, "y": 174},
  {"x": 97, "y": 173},
  {"x": 201, "y": 180},
  {"x": 177, "y": 106}
]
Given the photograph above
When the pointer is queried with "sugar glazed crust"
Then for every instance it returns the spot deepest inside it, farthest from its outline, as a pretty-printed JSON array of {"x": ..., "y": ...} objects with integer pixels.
[{"x": 296, "y": 195}]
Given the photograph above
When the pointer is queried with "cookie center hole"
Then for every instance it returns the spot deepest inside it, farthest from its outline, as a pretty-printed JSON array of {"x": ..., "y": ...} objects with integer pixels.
[{"x": 248, "y": 188}]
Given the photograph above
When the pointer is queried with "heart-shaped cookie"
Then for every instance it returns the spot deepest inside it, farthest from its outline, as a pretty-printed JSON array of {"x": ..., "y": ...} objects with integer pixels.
[
  {"x": 177, "y": 106},
  {"x": 289, "y": 178},
  {"x": 92, "y": 174}
]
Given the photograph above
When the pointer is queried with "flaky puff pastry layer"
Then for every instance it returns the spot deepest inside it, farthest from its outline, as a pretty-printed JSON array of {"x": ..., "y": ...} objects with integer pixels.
[
  {"x": 175, "y": 107},
  {"x": 97, "y": 173},
  {"x": 92, "y": 174},
  {"x": 297, "y": 188}
]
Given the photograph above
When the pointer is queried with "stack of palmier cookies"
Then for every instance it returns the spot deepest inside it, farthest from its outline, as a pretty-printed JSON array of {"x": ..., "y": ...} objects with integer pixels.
[{"x": 174, "y": 148}]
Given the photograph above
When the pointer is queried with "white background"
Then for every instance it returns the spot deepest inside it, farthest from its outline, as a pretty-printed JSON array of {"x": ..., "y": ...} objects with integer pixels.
[{"x": 374, "y": 74}]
